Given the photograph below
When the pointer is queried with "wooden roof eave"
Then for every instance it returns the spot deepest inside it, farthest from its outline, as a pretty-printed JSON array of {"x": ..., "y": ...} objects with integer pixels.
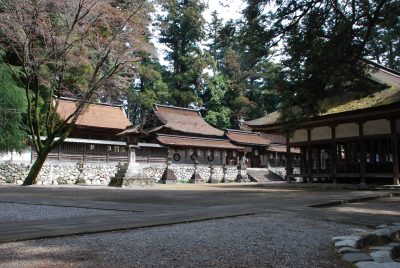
[{"x": 387, "y": 111}]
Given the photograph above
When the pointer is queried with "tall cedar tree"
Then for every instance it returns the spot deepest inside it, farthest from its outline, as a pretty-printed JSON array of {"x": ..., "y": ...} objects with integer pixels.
[
  {"x": 324, "y": 46},
  {"x": 181, "y": 31},
  {"x": 13, "y": 133},
  {"x": 78, "y": 48}
]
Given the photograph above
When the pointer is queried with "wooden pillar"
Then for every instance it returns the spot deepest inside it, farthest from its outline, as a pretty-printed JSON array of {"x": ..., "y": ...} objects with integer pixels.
[
  {"x": 363, "y": 154},
  {"x": 289, "y": 168},
  {"x": 309, "y": 152},
  {"x": 59, "y": 152},
  {"x": 84, "y": 151},
  {"x": 108, "y": 153},
  {"x": 333, "y": 155},
  {"x": 395, "y": 143}
]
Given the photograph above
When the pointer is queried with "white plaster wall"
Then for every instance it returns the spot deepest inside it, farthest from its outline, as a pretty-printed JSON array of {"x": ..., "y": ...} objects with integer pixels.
[
  {"x": 321, "y": 133},
  {"x": 347, "y": 130},
  {"x": 299, "y": 135},
  {"x": 24, "y": 156},
  {"x": 376, "y": 127}
]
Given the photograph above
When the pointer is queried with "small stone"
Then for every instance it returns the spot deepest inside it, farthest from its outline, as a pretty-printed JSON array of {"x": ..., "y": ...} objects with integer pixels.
[
  {"x": 347, "y": 237},
  {"x": 344, "y": 250},
  {"x": 55, "y": 182},
  {"x": 394, "y": 244},
  {"x": 388, "y": 248},
  {"x": 372, "y": 264},
  {"x": 383, "y": 232},
  {"x": 346, "y": 243},
  {"x": 382, "y": 226},
  {"x": 356, "y": 257},
  {"x": 20, "y": 182},
  {"x": 381, "y": 256}
]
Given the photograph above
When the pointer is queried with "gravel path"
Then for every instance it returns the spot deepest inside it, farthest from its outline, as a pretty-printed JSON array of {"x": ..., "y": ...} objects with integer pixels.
[
  {"x": 270, "y": 240},
  {"x": 18, "y": 212}
]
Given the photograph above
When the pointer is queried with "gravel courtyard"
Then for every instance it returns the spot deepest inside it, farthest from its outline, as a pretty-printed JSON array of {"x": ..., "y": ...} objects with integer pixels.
[
  {"x": 253, "y": 241},
  {"x": 228, "y": 225}
]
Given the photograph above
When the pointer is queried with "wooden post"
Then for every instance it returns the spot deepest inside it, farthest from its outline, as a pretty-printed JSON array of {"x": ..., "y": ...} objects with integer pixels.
[
  {"x": 107, "y": 154},
  {"x": 59, "y": 152},
  {"x": 309, "y": 151},
  {"x": 289, "y": 169},
  {"x": 395, "y": 142},
  {"x": 84, "y": 152},
  {"x": 333, "y": 155},
  {"x": 363, "y": 154}
]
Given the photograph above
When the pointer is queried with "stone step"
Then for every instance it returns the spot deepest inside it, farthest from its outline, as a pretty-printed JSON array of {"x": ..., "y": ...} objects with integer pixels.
[{"x": 262, "y": 175}]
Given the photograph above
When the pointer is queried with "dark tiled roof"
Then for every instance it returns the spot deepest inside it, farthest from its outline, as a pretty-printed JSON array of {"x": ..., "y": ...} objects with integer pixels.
[
  {"x": 95, "y": 115},
  {"x": 201, "y": 142},
  {"x": 185, "y": 120},
  {"x": 246, "y": 137}
]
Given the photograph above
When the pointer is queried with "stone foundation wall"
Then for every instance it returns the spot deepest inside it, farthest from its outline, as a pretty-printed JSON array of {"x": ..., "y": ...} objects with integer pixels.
[
  {"x": 185, "y": 172},
  {"x": 100, "y": 174},
  {"x": 65, "y": 173}
]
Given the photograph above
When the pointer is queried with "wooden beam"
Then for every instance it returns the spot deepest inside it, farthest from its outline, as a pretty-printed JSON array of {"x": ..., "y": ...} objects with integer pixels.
[{"x": 395, "y": 143}]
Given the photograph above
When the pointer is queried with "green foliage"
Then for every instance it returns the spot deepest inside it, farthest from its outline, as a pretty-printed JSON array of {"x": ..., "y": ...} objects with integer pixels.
[
  {"x": 182, "y": 29},
  {"x": 13, "y": 134},
  {"x": 324, "y": 43},
  {"x": 149, "y": 89}
]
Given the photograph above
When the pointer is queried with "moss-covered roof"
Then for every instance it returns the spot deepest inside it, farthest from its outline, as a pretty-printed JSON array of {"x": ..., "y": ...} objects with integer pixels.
[{"x": 351, "y": 102}]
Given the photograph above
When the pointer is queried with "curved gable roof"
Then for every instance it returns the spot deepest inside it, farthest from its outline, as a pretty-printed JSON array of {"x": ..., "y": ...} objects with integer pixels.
[
  {"x": 95, "y": 115},
  {"x": 184, "y": 120}
]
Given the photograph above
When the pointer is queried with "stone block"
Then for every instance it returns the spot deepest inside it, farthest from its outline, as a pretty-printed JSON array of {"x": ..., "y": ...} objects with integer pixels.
[
  {"x": 356, "y": 257},
  {"x": 381, "y": 256}
]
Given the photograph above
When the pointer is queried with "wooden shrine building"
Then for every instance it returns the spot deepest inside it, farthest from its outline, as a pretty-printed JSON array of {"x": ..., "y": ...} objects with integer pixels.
[
  {"x": 355, "y": 141},
  {"x": 190, "y": 137}
]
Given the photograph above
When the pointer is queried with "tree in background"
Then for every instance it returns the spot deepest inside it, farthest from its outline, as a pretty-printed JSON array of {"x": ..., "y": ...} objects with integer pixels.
[
  {"x": 74, "y": 48},
  {"x": 182, "y": 30},
  {"x": 149, "y": 88},
  {"x": 13, "y": 133},
  {"x": 324, "y": 43}
]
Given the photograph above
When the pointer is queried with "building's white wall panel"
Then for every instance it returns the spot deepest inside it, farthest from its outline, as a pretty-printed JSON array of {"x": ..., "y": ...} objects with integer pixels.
[
  {"x": 347, "y": 130},
  {"x": 376, "y": 127},
  {"x": 299, "y": 135},
  {"x": 321, "y": 133}
]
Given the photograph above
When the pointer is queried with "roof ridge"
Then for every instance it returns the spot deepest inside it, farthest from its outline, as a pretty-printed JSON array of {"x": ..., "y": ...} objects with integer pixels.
[
  {"x": 176, "y": 107},
  {"x": 188, "y": 137},
  {"x": 243, "y": 131},
  {"x": 382, "y": 67},
  {"x": 92, "y": 103}
]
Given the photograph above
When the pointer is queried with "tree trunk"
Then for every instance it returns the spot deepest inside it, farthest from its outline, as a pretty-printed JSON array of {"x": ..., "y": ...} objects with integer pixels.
[{"x": 36, "y": 167}]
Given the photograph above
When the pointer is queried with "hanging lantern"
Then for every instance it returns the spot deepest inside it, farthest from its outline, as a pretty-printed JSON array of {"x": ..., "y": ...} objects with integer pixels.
[
  {"x": 198, "y": 152},
  {"x": 216, "y": 153},
  {"x": 208, "y": 152},
  {"x": 191, "y": 151},
  {"x": 271, "y": 156},
  {"x": 255, "y": 152},
  {"x": 234, "y": 153}
]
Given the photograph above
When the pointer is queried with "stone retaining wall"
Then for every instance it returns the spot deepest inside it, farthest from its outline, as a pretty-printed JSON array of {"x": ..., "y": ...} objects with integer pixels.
[
  {"x": 100, "y": 174},
  {"x": 183, "y": 173},
  {"x": 65, "y": 173}
]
